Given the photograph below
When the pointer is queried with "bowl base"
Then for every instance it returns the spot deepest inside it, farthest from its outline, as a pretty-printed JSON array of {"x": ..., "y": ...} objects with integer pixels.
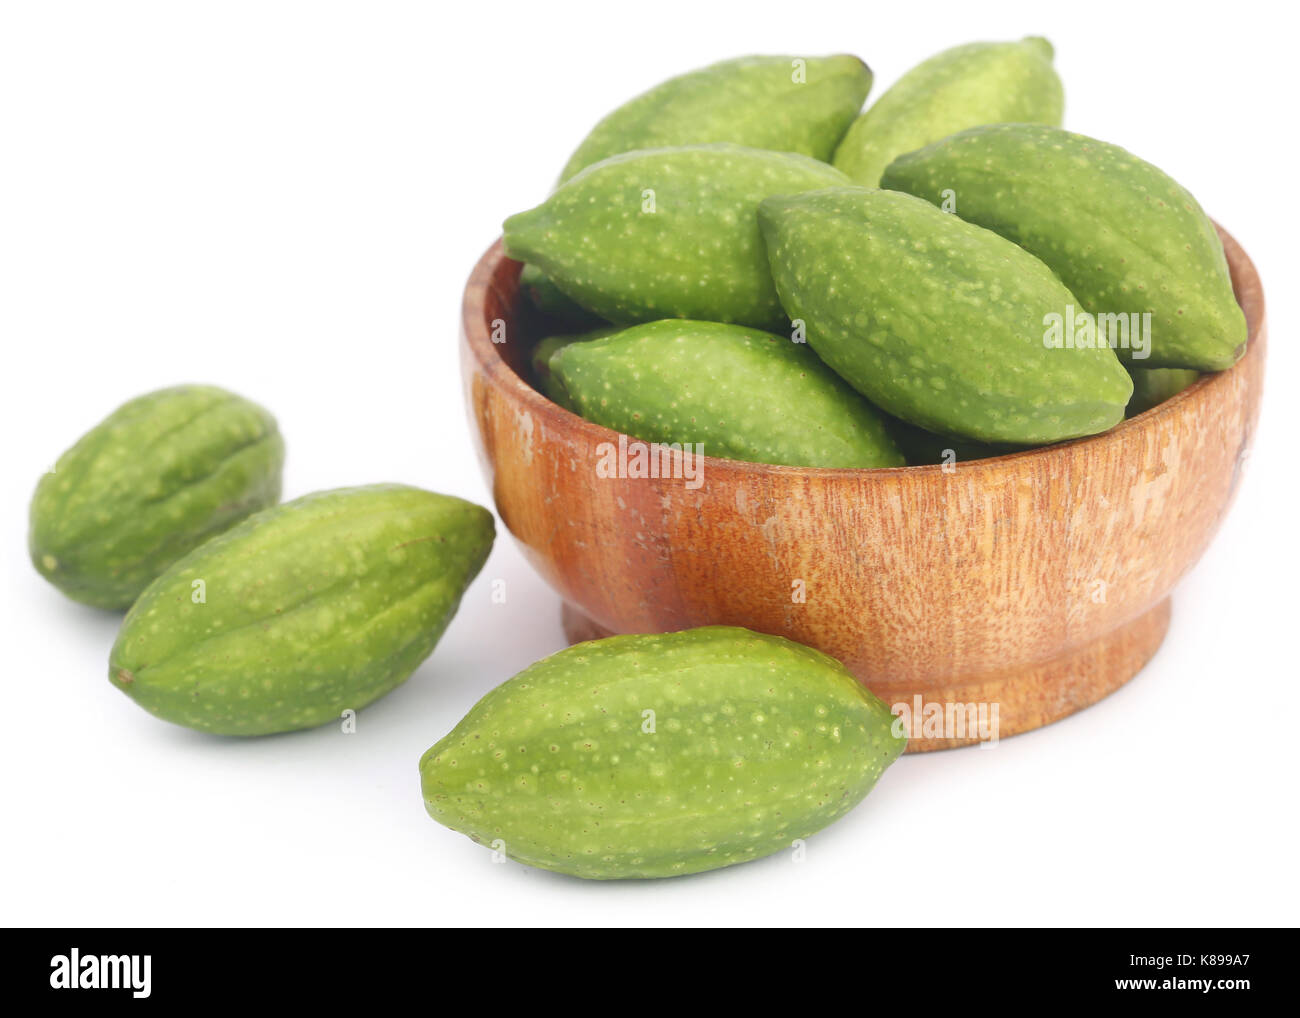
[{"x": 1003, "y": 704}]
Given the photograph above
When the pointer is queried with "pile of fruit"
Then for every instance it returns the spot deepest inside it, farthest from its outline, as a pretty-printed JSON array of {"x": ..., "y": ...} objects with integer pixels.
[{"x": 741, "y": 261}]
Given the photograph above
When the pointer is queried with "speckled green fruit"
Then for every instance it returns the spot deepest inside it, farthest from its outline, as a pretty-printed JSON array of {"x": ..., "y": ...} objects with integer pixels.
[
  {"x": 787, "y": 104},
  {"x": 158, "y": 477},
  {"x": 979, "y": 83},
  {"x": 666, "y": 233},
  {"x": 658, "y": 756},
  {"x": 740, "y": 393},
  {"x": 924, "y": 448},
  {"x": 937, "y": 322},
  {"x": 1152, "y": 386},
  {"x": 303, "y": 611},
  {"x": 1120, "y": 233},
  {"x": 546, "y": 348}
]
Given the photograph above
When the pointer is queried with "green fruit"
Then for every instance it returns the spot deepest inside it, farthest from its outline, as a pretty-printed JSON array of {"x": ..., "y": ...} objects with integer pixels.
[
  {"x": 938, "y": 322},
  {"x": 923, "y": 448},
  {"x": 666, "y": 233},
  {"x": 549, "y": 299},
  {"x": 1123, "y": 236},
  {"x": 1152, "y": 386},
  {"x": 303, "y": 611},
  {"x": 657, "y": 756},
  {"x": 787, "y": 104},
  {"x": 155, "y": 479},
  {"x": 546, "y": 347},
  {"x": 741, "y": 393},
  {"x": 979, "y": 83}
]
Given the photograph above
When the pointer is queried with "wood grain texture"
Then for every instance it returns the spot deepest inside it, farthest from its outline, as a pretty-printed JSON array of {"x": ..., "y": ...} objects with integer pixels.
[{"x": 1037, "y": 581}]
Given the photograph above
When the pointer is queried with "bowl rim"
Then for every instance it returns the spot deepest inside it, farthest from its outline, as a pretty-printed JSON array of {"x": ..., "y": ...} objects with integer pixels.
[{"x": 1247, "y": 289}]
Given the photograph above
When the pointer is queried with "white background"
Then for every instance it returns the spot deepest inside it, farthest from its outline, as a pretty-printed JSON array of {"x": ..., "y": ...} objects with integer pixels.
[{"x": 286, "y": 199}]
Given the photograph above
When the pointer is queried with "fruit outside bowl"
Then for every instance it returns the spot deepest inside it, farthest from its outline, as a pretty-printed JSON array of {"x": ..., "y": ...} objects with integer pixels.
[{"x": 1037, "y": 582}]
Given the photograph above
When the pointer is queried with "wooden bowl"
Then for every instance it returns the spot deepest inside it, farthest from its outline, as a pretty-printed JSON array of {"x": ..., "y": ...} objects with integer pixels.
[{"x": 1037, "y": 582}]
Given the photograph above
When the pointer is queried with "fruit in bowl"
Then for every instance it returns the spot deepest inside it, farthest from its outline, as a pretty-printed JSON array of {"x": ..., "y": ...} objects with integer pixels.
[{"x": 1074, "y": 428}]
